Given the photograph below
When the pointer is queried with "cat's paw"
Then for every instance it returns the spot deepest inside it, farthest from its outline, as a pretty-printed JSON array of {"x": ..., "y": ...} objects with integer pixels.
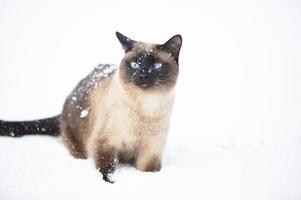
[{"x": 108, "y": 178}]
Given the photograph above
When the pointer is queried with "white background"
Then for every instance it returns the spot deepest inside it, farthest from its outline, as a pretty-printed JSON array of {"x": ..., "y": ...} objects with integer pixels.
[{"x": 236, "y": 128}]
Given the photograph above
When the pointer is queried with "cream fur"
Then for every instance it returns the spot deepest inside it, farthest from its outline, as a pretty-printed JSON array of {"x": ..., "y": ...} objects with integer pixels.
[{"x": 131, "y": 121}]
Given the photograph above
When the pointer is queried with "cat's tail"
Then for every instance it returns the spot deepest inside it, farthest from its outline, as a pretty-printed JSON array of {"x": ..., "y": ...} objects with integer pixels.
[{"x": 49, "y": 126}]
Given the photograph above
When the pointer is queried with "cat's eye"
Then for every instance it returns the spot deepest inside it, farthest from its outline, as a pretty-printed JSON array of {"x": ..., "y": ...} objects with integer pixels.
[
  {"x": 134, "y": 65},
  {"x": 157, "y": 65}
]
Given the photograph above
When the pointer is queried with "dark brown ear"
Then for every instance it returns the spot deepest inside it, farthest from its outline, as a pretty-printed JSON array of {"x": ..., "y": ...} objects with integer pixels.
[
  {"x": 173, "y": 46},
  {"x": 126, "y": 42}
]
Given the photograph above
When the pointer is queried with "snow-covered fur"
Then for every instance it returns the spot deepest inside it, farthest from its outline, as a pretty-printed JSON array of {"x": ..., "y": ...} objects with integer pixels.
[{"x": 113, "y": 115}]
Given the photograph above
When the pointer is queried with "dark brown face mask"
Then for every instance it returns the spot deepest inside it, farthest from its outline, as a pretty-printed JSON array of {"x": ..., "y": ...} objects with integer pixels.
[{"x": 150, "y": 66}]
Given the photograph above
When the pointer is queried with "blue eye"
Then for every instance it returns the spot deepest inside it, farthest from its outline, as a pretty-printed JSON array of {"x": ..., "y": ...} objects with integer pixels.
[
  {"x": 134, "y": 65},
  {"x": 157, "y": 65}
]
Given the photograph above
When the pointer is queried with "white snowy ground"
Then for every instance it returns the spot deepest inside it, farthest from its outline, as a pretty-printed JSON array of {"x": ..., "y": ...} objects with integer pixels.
[{"x": 236, "y": 129}]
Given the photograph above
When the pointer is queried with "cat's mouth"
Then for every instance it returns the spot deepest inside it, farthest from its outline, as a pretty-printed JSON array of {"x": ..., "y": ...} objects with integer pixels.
[{"x": 144, "y": 86}]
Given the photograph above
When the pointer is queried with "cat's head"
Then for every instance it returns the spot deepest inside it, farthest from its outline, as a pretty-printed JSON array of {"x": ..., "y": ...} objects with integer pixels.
[{"x": 150, "y": 66}]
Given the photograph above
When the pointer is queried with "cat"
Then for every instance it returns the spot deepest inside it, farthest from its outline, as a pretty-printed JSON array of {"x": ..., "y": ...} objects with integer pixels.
[{"x": 117, "y": 114}]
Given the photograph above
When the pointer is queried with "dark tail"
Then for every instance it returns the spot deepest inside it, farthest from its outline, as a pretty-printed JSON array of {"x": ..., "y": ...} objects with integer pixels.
[{"x": 49, "y": 126}]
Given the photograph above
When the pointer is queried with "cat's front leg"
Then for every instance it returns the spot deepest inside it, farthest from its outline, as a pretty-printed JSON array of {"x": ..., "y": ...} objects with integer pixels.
[
  {"x": 105, "y": 158},
  {"x": 150, "y": 151},
  {"x": 149, "y": 163},
  {"x": 149, "y": 159}
]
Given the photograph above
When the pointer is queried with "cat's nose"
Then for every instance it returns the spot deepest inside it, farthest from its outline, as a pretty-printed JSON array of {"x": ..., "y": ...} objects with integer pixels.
[{"x": 143, "y": 77}]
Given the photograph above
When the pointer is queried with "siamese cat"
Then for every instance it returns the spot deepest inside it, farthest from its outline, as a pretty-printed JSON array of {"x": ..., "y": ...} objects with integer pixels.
[{"x": 117, "y": 114}]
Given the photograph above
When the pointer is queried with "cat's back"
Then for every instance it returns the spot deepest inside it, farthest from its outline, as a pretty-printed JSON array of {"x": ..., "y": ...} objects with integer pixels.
[
  {"x": 95, "y": 80},
  {"x": 78, "y": 103},
  {"x": 78, "y": 116}
]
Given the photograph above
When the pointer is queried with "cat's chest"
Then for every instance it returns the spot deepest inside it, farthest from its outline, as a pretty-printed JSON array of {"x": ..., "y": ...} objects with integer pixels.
[
  {"x": 134, "y": 120},
  {"x": 136, "y": 129}
]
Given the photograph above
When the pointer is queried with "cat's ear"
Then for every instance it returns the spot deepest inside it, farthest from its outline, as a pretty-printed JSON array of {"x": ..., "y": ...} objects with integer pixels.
[
  {"x": 126, "y": 42},
  {"x": 173, "y": 46}
]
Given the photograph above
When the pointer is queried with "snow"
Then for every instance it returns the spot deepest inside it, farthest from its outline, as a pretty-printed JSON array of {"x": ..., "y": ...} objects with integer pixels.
[
  {"x": 84, "y": 113},
  {"x": 158, "y": 65},
  {"x": 235, "y": 131}
]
